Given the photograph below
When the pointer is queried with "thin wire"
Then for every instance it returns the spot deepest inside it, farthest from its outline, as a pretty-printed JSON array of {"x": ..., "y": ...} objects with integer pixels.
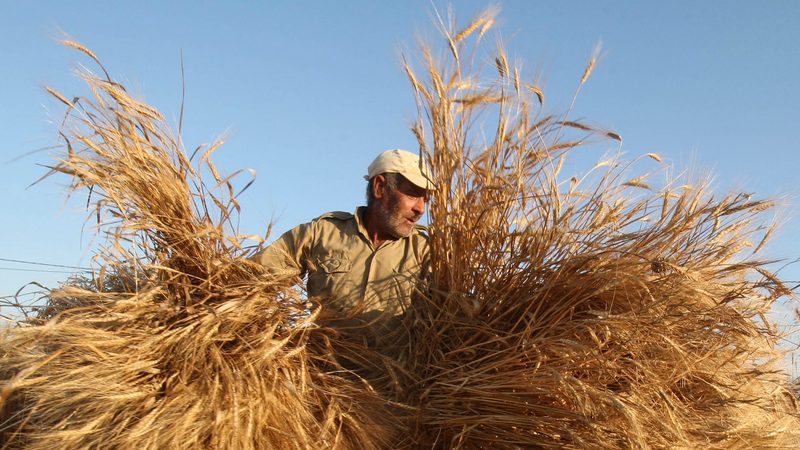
[
  {"x": 22, "y": 294},
  {"x": 42, "y": 264},
  {"x": 16, "y": 269}
]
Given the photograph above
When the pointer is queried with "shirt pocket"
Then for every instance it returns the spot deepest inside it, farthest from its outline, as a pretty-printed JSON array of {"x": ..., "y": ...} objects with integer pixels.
[
  {"x": 333, "y": 262},
  {"x": 328, "y": 278}
]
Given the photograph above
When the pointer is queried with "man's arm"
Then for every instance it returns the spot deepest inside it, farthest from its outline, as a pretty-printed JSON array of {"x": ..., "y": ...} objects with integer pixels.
[{"x": 287, "y": 256}]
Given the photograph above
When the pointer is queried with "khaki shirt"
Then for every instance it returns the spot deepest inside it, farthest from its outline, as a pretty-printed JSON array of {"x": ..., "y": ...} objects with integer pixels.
[{"x": 345, "y": 271}]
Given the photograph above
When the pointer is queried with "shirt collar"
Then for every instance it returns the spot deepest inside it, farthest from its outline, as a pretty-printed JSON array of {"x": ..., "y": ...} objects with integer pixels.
[{"x": 359, "y": 216}]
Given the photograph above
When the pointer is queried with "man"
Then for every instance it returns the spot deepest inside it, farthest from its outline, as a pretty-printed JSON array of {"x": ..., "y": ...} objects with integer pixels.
[{"x": 363, "y": 267}]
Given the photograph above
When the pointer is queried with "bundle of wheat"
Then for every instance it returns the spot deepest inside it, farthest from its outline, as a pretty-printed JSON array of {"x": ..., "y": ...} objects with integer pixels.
[
  {"x": 591, "y": 312},
  {"x": 191, "y": 345},
  {"x": 566, "y": 312}
]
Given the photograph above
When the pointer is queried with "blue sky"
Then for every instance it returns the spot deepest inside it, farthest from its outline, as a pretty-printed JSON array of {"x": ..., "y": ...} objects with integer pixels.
[{"x": 306, "y": 93}]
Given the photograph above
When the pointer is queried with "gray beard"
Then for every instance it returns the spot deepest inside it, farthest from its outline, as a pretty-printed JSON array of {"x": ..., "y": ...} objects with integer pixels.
[{"x": 390, "y": 221}]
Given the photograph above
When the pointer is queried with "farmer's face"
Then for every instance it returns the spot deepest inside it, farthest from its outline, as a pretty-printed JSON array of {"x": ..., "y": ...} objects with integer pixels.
[{"x": 399, "y": 209}]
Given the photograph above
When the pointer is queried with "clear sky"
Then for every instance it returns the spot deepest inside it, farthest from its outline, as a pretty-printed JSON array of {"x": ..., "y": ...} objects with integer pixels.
[{"x": 308, "y": 92}]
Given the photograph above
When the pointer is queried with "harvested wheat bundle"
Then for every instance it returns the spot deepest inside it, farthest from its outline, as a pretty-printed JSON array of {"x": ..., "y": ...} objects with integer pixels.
[
  {"x": 579, "y": 312},
  {"x": 182, "y": 342},
  {"x": 561, "y": 312}
]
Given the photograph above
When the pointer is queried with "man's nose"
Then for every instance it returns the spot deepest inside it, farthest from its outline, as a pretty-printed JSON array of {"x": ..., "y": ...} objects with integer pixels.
[{"x": 419, "y": 206}]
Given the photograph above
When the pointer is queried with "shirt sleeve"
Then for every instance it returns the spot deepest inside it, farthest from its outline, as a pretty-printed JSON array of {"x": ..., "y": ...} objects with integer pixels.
[{"x": 288, "y": 255}]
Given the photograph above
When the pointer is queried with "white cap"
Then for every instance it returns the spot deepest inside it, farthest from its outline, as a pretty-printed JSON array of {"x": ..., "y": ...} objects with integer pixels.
[{"x": 403, "y": 162}]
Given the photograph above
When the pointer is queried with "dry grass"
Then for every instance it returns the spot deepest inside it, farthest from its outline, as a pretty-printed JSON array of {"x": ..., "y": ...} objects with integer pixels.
[
  {"x": 581, "y": 313},
  {"x": 561, "y": 312},
  {"x": 174, "y": 352}
]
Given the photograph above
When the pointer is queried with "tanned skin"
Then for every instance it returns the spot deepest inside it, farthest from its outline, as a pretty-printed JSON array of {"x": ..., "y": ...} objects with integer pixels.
[{"x": 394, "y": 211}]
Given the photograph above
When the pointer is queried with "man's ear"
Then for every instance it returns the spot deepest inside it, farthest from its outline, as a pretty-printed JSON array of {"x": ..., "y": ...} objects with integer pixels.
[{"x": 378, "y": 186}]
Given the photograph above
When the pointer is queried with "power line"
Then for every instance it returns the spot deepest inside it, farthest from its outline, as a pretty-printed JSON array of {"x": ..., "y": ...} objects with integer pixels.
[
  {"x": 42, "y": 264},
  {"x": 22, "y": 294},
  {"x": 17, "y": 269}
]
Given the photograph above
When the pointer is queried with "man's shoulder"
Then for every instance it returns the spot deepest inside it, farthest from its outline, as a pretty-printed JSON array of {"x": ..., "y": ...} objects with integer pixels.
[
  {"x": 335, "y": 220},
  {"x": 335, "y": 215}
]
